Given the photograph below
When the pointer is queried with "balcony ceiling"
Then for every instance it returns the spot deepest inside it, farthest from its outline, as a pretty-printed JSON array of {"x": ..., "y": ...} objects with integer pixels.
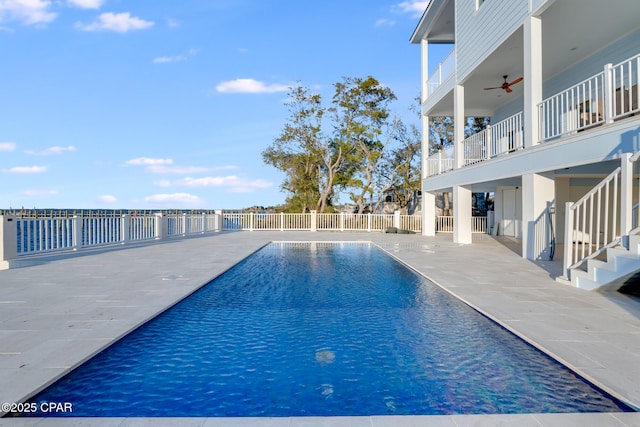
[{"x": 572, "y": 30}]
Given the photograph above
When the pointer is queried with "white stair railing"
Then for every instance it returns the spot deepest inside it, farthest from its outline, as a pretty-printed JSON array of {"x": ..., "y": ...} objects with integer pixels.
[{"x": 591, "y": 223}]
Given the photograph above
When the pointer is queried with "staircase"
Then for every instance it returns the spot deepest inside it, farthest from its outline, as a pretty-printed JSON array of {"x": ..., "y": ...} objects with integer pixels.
[
  {"x": 602, "y": 238},
  {"x": 611, "y": 267}
]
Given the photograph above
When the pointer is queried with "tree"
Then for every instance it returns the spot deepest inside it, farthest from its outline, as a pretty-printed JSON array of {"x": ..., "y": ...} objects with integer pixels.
[
  {"x": 360, "y": 111},
  {"x": 298, "y": 151},
  {"x": 400, "y": 169},
  {"x": 317, "y": 164}
]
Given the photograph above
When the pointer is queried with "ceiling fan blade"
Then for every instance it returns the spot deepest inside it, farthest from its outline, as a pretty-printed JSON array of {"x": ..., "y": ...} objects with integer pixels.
[
  {"x": 508, "y": 89},
  {"x": 490, "y": 88},
  {"x": 516, "y": 81}
]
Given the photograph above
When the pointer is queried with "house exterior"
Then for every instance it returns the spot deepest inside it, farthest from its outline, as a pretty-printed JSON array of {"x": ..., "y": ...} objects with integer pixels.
[{"x": 562, "y": 146}]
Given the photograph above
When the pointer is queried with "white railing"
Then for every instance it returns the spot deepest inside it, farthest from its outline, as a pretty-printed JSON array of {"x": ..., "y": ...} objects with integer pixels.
[
  {"x": 609, "y": 95},
  {"x": 42, "y": 235},
  {"x": 320, "y": 222},
  {"x": 576, "y": 108},
  {"x": 36, "y": 235},
  {"x": 503, "y": 137},
  {"x": 624, "y": 80},
  {"x": 21, "y": 237},
  {"x": 438, "y": 163},
  {"x": 442, "y": 73},
  {"x": 591, "y": 223},
  {"x": 444, "y": 224}
]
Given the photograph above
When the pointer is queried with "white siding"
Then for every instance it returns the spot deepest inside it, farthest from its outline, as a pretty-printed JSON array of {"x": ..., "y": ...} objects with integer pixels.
[{"x": 479, "y": 32}]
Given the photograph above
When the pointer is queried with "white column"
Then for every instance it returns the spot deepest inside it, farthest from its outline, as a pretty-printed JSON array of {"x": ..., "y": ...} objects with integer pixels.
[
  {"x": 461, "y": 214},
  {"x": 428, "y": 214},
  {"x": 538, "y": 194},
  {"x": 626, "y": 197},
  {"x": 424, "y": 71},
  {"x": 8, "y": 240},
  {"x": 532, "y": 79},
  {"x": 458, "y": 125}
]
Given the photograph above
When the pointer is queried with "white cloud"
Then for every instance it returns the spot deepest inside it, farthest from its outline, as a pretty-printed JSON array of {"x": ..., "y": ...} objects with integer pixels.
[
  {"x": 384, "y": 22},
  {"x": 148, "y": 161},
  {"x": 40, "y": 193},
  {"x": 250, "y": 86},
  {"x": 118, "y": 22},
  {"x": 86, "y": 4},
  {"x": 174, "y": 199},
  {"x": 415, "y": 7},
  {"x": 26, "y": 169},
  {"x": 182, "y": 170},
  {"x": 28, "y": 12},
  {"x": 7, "y": 146},
  {"x": 173, "y": 23},
  {"x": 52, "y": 151},
  {"x": 176, "y": 58},
  {"x": 231, "y": 183},
  {"x": 107, "y": 198}
]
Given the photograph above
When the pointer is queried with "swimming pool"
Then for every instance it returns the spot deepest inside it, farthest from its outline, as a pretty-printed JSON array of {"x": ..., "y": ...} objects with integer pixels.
[{"x": 321, "y": 329}]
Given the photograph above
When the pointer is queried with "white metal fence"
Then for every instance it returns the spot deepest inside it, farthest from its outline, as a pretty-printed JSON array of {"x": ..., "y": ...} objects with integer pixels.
[{"x": 39, "y": 235}]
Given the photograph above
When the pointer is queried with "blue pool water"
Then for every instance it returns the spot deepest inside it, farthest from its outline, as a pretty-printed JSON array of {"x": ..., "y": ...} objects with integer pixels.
[{"x": 321, "y": 329}]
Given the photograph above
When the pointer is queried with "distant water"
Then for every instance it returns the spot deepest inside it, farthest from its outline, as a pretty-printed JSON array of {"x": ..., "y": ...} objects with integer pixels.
[{"x": 313, "y": 329}]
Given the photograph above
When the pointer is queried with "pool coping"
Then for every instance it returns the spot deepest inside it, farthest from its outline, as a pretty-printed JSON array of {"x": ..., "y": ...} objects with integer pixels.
[{"x": 412, "y": 250}]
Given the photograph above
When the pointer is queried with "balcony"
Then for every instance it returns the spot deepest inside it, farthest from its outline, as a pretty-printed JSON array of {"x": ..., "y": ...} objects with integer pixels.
[{"x": 604, "y": 98}]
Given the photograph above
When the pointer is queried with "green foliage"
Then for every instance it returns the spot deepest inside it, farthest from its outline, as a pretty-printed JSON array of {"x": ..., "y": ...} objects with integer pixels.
[{"x": 342, "y": 148}]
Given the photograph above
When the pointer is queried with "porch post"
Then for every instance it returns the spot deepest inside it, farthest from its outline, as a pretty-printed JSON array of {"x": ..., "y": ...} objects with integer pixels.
[
  {"x": 458, "y": 125},
  {"x": 461, "y": 214},
  {"x": 424, "y": 71},
  {"x": 532, "y": 79},
  {"x": 538, "y": 193},
  {"x": 428, "y": 214},
  {"x": 626, "y": 197}
]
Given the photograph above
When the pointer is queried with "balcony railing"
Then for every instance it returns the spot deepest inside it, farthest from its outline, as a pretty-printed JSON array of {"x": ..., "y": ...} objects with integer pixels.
[
  {"x": 503, "y": 137},
  {"x": 608, "y": 96},
  {"x": 444, "y": 224},
  {"x": 442, "y": 73}
]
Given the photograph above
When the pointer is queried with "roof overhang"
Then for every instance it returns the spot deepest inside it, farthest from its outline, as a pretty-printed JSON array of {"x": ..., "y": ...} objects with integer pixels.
[{"x": 437, "y": 23}]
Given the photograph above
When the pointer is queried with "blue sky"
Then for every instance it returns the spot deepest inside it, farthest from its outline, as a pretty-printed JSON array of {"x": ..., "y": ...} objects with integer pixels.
[{"x": 168, "y": 104}]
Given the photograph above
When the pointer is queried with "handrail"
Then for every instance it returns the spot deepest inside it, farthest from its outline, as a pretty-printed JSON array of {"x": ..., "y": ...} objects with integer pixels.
[{"x": 591, "y": 223}]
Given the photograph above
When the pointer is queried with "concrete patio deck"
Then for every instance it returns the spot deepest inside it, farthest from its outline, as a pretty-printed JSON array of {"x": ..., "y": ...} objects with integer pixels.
[{"x": 57, "y": 311}]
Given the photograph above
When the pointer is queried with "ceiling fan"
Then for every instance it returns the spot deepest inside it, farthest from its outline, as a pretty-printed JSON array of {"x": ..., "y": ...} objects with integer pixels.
[{"x": 506, "y": 85}]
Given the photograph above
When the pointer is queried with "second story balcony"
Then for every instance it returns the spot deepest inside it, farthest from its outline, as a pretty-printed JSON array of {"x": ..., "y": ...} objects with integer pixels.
[{"x": 605, "y": 98}]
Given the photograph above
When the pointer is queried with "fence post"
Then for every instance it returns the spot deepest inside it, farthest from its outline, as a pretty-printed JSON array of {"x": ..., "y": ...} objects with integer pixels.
[
  {"x": 396, "y": 219},
  {"x": 608, "y": 93},
  {"x": 162, "y": 226},
  {"x": 281, "y": 221},
  {"x": 314, "y": 221},
  {"x": 76, "y": 237},
  {"x": 341, "y": 221},
  {"x": 568, "y": 240},
  {"x": 8, "y": 240},
  {"x": 219, "y": 220},
  {"x": 369, "y": 222},
  {"x": 125, "y": 229}
]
